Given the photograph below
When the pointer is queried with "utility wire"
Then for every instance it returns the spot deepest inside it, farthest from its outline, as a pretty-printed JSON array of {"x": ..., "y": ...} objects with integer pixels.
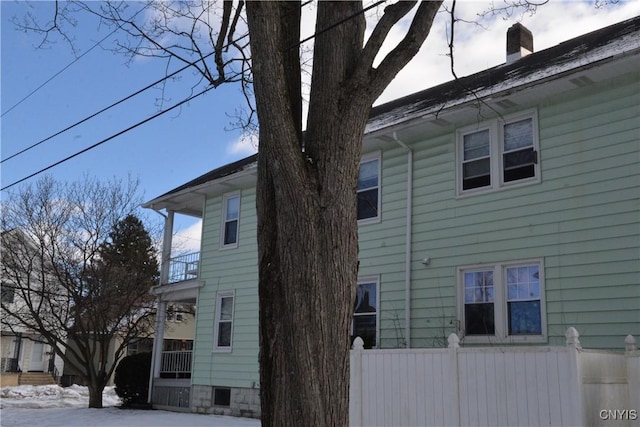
[
  {"x": 148, "y": 119},
  {"x": 139, "y": 91},
  {"x": 348, "y": 18},
  {"x": 120, "y": 101},
  {"x": 106, "y": 108},
  {"x": 169, "y": 109},
  {"x": 59, "y": 72},
  {"x": 69, "y": 65},
  {"x": 154, "y": 83}
]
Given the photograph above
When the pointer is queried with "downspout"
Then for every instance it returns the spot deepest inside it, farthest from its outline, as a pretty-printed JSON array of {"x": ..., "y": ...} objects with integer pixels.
[
  {"x": 408, "y": 241},
  {"x": 156, "y": 353}
]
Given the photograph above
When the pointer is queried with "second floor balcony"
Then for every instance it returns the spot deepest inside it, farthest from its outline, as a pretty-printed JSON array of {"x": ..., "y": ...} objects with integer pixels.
[
  {"x": 183, "y": 268},
  {"x": 181, "y": 282}
]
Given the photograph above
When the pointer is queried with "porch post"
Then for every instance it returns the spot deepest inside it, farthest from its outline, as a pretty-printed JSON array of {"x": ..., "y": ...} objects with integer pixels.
[
  {"x": 166, "y": 248},
  {"x": 158, "y": 336}
]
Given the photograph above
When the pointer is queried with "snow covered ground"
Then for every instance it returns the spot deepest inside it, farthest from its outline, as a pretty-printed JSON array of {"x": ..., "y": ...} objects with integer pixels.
[{"x": 56, "y": 406}]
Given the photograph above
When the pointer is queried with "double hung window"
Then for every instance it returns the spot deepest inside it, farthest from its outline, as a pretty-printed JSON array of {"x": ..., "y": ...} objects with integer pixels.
[
  {"x": 222, "y": 334},
  {"x": 503, "y": 301},
  {"x": 230, "y": 220},
  {"x": 498, "y": 153},
  {"x": 365, "y": 312},
  {"x": 369, "y": 190},
  {"x": 8, "y": 293}
]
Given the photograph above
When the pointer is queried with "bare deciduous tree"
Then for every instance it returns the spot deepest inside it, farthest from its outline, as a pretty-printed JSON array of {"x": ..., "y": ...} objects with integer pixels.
[
  {"x": 76, "y": 280},
  {"x": 306, "y": 197}
]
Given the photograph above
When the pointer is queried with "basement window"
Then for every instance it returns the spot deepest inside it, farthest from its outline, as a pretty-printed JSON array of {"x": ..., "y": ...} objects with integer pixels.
[{"x": 222, "y": 396}]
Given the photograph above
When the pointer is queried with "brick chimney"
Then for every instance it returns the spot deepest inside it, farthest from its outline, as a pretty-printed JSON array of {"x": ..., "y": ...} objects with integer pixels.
[{"x": 519, "y": 42}]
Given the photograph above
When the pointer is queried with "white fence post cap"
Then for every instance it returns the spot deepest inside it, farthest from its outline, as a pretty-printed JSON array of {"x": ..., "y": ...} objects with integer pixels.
[
  {"x": 454, "y": 341},
  {"x": 630, "y": 343},
  {"x": 358, "y": 344},
  {"x": 573, "y": 337}
]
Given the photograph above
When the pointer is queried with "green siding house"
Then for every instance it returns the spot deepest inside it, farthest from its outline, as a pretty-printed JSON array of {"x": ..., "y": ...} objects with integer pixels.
[{"x": 503, "y": 207}]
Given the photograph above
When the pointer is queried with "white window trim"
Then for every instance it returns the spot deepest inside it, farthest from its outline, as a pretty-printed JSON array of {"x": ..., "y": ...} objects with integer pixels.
[
  {"x": 496, "y": 136},
  {"x": 376, "y": 155},
  {"x": 500, "y": 305},
  {"x": 223, "y": 220},
  {"x": 376, "y": 280},
  {"x": 219, "y": 296}
]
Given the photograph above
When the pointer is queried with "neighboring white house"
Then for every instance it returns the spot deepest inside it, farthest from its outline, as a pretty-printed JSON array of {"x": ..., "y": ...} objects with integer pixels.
[{"x": 21, "y": 350}]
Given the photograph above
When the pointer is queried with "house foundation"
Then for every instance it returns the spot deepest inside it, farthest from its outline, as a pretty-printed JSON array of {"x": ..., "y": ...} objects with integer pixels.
[{"x": 232, "y": 401}]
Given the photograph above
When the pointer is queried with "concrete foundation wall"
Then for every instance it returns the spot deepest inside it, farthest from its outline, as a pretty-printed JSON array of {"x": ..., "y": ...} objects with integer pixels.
[{"x": 244, "y": 402}]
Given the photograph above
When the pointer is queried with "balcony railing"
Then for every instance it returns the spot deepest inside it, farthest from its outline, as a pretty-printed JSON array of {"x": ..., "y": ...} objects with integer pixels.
[
  {"x": 176, "y": 364},
  {"x": 184, "y": 267}
]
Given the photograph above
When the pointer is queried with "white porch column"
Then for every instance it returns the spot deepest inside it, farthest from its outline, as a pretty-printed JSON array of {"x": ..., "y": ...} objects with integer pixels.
[
  {"x": 161, "y": 308},
  {"x": 158, "y": 339},
  {"x": 167, "y": 241}
]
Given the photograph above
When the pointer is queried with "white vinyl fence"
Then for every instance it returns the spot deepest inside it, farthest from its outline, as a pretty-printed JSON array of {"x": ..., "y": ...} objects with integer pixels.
[{"x": 495, "y": 386}]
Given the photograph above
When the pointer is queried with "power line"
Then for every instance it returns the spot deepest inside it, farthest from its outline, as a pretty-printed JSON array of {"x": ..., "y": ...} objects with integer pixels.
[
  {"x": 69, "y": 65},
  {"x": 169, "y": 109},
  {"x": 190, "y": 64},
  {"x": 148, "y": 119},
  {"x": 348, "y": 18},
  {"x": 156, "y": 82},
  {"x": 106, "y": 108}
]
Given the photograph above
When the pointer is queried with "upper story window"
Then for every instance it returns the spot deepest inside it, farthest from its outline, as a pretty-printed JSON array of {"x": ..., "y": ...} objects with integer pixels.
[
  {"x": 503, "y": 302},
  {"x": 365, "y": 312},
  {"x": 230, "y": 221},
  {"x": 369, "y": 189},
  {"x": 223, "y": 327},
  {"x": 8, "y": 293},
  {"x": 498, "y": 153}
]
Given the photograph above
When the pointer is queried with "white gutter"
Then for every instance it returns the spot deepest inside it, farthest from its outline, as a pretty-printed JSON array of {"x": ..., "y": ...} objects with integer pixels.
[{"x": 408, "y": 241}]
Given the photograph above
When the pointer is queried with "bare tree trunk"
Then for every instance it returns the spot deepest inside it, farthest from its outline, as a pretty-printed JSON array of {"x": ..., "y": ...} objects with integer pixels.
[
  {"x": 306, "y": 198},
  {"x": 307, "y": 240},
  {"x": 95, "y": 393}
]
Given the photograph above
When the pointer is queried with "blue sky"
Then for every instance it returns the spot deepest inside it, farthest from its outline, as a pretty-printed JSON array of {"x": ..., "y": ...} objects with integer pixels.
[{"x": 188, "y": 142}]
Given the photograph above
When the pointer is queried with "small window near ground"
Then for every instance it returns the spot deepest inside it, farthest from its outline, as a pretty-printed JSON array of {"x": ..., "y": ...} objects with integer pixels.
[{"x": 222, "y": 396}]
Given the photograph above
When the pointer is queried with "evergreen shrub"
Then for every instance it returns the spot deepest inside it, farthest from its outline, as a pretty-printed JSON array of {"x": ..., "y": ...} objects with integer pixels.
[{"x": 132, "y": 379}]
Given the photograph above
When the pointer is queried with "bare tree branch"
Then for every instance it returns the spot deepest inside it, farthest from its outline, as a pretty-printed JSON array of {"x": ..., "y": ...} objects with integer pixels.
[{"x": 55, "y": 240}]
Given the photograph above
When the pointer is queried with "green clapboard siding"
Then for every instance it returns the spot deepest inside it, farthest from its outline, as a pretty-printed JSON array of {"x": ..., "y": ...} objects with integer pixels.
[
  {"x": 582, "y": 220},
  {"x": 228, "y": 269}
]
